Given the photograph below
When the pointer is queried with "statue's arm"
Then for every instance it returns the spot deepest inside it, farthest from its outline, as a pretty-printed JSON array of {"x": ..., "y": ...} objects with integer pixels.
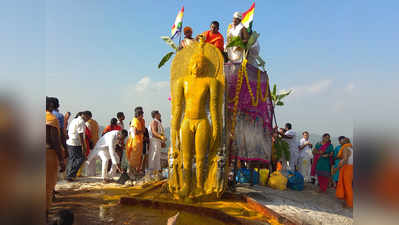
[
  {"x": 177, "y": 107},
  {"x": 213, "y": 108}
]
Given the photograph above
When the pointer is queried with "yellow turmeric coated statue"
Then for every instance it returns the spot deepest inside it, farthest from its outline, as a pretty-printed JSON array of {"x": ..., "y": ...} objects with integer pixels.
[{"x": 197, "y": 81}]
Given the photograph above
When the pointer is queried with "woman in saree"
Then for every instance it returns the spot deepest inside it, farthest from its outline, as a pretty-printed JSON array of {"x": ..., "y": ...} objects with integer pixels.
[
  {"x": 322, "y": 154},
  {"x": 134, "y": 146},
  {"x": 54, "y": 156},
  {"x": 345, "y": 179},
  {"x": 336, "y": 160}
]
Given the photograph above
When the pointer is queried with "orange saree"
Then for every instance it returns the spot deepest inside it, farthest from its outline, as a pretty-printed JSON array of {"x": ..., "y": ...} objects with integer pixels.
[
  {"x": 344, "y": 185},
  {"x": 51, "y": 162},
  {"x": 134, "y": 145}
]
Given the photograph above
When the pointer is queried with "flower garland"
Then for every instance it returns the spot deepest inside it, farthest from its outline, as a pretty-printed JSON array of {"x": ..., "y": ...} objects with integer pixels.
[
  {"x": 255, "y": 100},
  {"x": 263, "y": 98},
  {"x": 236, "y": 99}
]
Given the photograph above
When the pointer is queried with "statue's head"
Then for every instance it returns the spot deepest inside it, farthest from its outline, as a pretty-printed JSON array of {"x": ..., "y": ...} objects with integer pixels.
[{"x": 197, "y": 64}]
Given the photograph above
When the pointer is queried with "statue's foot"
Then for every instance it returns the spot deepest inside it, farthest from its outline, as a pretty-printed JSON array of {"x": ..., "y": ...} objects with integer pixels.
[
  {"x": 177, "y": 197},
  {"x": 165, "y": 188},
  {"x": 188, "y": 200},
  {"x": 200, "y": 191},
  {"x": 184, "y": 192}
]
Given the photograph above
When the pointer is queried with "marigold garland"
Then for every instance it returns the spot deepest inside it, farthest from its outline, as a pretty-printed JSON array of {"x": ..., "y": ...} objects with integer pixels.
[
  {"x": 255, "y": 100},
  {"x": 236, "y": 99},
  {"x": 264, "y": 98}
]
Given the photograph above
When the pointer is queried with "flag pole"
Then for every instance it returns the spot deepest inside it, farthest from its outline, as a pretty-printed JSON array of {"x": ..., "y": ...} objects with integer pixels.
[{"x": 181, "y": 29}]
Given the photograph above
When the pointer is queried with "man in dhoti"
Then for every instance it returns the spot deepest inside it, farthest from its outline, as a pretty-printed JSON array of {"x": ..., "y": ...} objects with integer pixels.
[
  {"x": 305, "y": 156},
  {"x": 105, "y": 149},
  {"x": 157, "y": 137},
  {"x": 290, "y": 137}
]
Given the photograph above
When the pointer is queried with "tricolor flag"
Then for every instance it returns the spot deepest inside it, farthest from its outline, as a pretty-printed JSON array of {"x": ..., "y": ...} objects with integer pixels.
[
  {"x": 176, "y": 28},
  {"x": 248, "y": 17}
]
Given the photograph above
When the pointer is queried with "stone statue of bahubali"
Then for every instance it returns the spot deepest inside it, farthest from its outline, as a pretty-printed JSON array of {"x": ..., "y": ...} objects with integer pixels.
[{"x": 197, "y": 86}]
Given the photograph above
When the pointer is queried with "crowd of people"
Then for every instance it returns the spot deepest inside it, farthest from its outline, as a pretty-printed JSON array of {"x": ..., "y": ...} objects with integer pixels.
[
  {"x": 213, "y": 36},
  {"x": 74, "y": 146},
  {"x": 320, "y": 163}
]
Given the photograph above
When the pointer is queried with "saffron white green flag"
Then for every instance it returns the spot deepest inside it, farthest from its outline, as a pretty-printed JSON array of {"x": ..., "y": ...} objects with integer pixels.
[{"x": 177, "y": 26}]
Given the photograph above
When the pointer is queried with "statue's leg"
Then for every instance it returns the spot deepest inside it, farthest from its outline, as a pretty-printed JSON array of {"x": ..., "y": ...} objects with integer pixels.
[
  {"x": 187, "y": 137},
  {"x": 202, "y": 137}
]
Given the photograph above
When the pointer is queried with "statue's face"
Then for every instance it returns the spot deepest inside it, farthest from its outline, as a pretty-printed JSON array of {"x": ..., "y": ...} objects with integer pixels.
[{"x": 197, "y": 65}]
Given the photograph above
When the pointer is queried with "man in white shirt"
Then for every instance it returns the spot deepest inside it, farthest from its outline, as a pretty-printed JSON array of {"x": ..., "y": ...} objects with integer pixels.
[
  {"x": 76, "y": 144},
  {"x": 305, "y": 156},
  {"x": 121, "y": 118},
  {"x": 291, "y": 138},
  {"x": 236, "y": 29},
  {"x": 105, "y": 149}
]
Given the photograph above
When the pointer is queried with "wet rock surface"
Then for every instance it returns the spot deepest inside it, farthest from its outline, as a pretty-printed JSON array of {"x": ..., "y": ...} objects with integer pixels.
[
  {"x": 95, "y": 202},
  {"x": 302, "y": 207}
]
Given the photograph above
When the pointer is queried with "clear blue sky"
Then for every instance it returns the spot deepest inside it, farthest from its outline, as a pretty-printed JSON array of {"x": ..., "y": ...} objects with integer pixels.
[{"x": 102, "y": 55}]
